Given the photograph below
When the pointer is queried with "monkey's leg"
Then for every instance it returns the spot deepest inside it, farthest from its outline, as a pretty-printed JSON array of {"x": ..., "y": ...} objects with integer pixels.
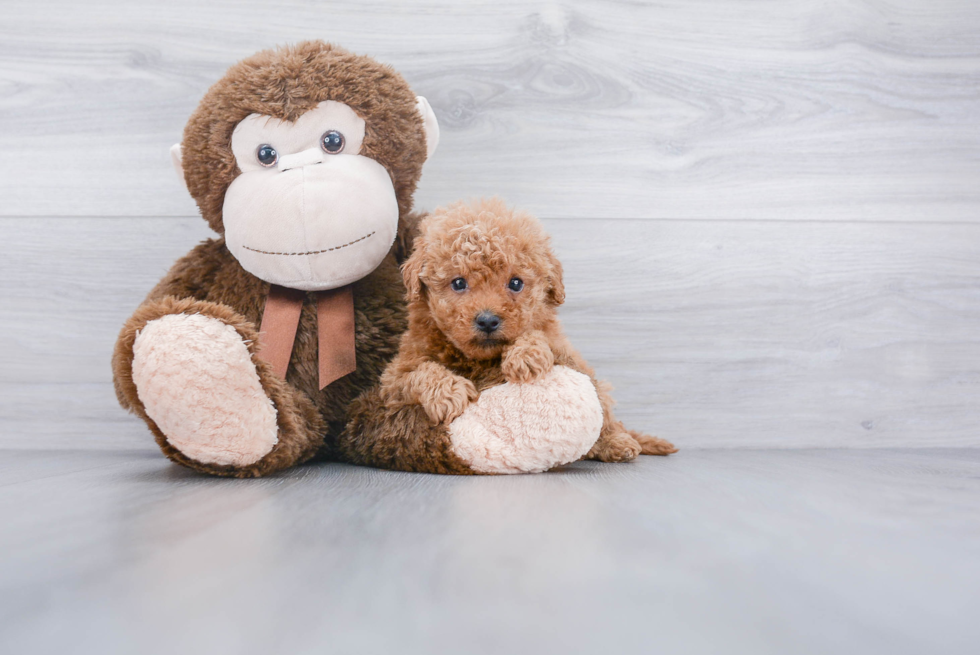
[
  {"x": 510, "y": 428},
  {"x": 399, "y": 437},
  {"x": 189, "y": 369}
]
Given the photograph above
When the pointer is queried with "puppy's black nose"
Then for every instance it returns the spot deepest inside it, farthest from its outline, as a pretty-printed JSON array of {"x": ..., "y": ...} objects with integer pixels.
[{"x": 487, "y": 322}]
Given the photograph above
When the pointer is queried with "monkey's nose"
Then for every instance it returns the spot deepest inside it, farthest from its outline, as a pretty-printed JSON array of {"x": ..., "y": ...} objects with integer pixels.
[
  {"x": 487, "y": 322},
  {"x": 300, "y": 159}
]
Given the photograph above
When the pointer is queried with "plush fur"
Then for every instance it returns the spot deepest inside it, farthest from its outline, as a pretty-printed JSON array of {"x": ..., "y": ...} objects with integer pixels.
[
  {"x": 227, "y": 418},
  {"x": 445, "y": 362},
  {"x": 209, "y": 282},
  {"x": 529, "y": 428}
]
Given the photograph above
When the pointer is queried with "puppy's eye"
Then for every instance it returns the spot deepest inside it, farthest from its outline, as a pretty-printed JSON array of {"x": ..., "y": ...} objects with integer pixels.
[
  {"x": 332, "y": 142},
  {"x": 459, "y": 284},
  {"x": 266, "y": 155},
  {"x": 515, "y": 284}
]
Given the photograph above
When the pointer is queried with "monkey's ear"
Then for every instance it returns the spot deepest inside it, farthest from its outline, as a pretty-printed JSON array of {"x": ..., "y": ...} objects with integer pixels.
[
  {"x": 556, "y": 285},
  {"x": 412, "y": 274},
  {"x": 431, "y": 126},
  {"x": 177, "y": 159}
]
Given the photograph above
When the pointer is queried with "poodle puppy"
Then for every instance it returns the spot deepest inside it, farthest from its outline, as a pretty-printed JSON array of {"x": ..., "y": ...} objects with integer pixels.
[{"x": 483, "y": 292}]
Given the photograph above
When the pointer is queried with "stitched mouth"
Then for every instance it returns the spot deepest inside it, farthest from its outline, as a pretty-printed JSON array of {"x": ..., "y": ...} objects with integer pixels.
[{"x": 311, "y": 252}]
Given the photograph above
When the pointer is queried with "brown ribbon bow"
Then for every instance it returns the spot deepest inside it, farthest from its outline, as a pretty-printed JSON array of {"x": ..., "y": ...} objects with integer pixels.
[{"x": 335, "y": 330}]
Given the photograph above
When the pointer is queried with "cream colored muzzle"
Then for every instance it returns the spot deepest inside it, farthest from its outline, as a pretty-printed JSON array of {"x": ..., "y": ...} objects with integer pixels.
[
  {"x": 314, "y": 222},
  {"x": 300, "y": 159}
]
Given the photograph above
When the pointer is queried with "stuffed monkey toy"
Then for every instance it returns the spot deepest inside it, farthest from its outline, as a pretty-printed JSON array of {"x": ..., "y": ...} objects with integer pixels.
[{"x": 244, "y": 359}]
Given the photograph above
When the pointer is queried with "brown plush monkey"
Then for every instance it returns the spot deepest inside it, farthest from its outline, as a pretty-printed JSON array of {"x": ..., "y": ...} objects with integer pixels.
[{"x": 245, "y": 357}]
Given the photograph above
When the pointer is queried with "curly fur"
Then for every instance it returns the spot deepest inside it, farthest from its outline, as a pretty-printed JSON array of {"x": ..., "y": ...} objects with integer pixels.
[{"x": 444, "y": 361}]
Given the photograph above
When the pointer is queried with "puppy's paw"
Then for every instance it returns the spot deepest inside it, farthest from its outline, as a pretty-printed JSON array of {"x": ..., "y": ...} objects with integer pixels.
[
  {"x": 652, "y": 445},
  {"x": 447, "y": 397},
  {"x": 616, "y": 447},
  {"x": 528, "y": 358}
]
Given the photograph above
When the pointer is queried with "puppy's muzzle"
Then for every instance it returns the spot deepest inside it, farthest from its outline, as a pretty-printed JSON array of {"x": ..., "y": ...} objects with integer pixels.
[{"x": 486, "y": 322}]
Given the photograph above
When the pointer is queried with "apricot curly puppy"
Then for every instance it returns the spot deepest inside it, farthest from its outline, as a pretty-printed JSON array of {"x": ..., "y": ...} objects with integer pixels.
[{"x": 483, "y": 292}]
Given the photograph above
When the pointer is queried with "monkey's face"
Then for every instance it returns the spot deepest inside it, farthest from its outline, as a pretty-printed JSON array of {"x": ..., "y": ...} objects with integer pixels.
[
  {"x": 304, "y": 157},
  {"x": 308, "y": 211}
]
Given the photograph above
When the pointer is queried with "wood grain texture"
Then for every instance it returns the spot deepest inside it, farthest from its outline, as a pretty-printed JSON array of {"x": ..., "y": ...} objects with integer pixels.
[
  {"x": 755, "y": 552},
  {"x": 852, "y": 109},
  {"x": 716, "y": 334}
]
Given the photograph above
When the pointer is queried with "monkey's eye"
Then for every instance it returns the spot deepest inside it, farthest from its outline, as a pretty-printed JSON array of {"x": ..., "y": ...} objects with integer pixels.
[
  {"x": 515, "y": 284},
  {"x": 459, "y": 284},
  {"x": 332, "y": 142},
  {"x": 266, "y": 155}
]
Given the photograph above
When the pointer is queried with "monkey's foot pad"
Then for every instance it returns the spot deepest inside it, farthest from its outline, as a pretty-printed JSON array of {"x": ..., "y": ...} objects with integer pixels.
[
  {"x": 529, "y": 428},
  {"x": 196, "y": 378}
]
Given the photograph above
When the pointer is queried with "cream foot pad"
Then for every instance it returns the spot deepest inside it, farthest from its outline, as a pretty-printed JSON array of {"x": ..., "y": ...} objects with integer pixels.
[
  {"x": 197, "y": 381},
  {"x": 529, "y": 428}
]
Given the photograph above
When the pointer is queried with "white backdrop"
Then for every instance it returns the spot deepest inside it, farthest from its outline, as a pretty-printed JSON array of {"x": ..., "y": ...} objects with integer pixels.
[{"x": 768, "y": 212}]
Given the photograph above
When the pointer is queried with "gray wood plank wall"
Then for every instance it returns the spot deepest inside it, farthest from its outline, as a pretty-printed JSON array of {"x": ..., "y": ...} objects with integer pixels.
[{"x": 768, "y": 212}]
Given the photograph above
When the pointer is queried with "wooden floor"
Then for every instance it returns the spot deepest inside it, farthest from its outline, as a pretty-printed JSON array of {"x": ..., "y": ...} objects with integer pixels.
[{"x": 710, "y": 551}]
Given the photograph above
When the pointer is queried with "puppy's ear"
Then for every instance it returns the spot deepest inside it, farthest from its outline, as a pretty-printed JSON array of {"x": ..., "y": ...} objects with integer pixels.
[
  {"x": 412, "y": 272},
  {"x": 556, "y": 286}
]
